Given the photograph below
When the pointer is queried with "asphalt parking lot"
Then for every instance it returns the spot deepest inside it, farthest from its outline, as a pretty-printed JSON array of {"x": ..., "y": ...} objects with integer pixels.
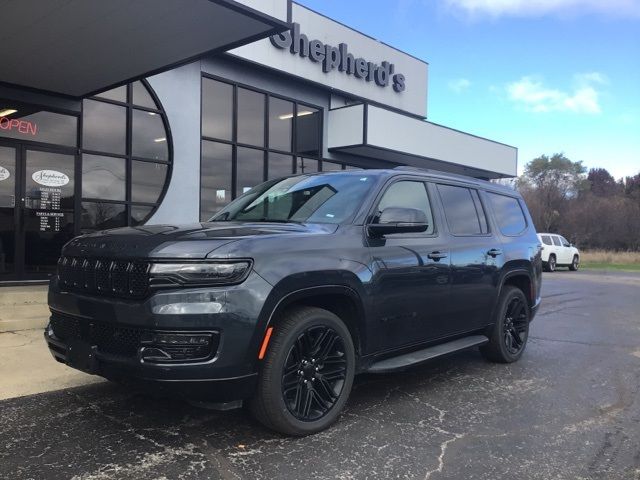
[{"x": 569, "y": 409}]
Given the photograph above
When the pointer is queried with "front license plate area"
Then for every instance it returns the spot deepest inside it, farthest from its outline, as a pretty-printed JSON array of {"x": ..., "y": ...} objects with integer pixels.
[{"x": 82, "y": 355}]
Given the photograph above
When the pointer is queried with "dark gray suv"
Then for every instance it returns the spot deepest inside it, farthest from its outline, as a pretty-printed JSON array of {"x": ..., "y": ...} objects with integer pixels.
[{"x": 297, "y": 286}]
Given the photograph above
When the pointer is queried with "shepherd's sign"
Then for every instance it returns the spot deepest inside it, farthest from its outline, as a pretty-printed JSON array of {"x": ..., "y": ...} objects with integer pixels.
[{"x": 338, "y": 57}]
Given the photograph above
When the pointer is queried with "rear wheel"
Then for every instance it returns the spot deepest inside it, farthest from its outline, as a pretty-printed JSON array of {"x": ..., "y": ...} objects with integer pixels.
[
  {"x": 510, "y": 331},
  {"x": 575, "y": 264},
  {"x": 307, "y": 373}
]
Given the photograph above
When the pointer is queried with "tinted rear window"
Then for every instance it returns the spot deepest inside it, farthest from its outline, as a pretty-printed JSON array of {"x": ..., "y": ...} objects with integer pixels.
[
  {"x": 546, "y": 239},
  {"x": 556, "y": 241},
  {"x": 508, "y": 214},
  {"x": 462, "y": 211}
]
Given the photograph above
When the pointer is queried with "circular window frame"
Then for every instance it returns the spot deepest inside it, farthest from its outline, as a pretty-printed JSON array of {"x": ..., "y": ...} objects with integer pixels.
[{"x": 128, "y": 156}]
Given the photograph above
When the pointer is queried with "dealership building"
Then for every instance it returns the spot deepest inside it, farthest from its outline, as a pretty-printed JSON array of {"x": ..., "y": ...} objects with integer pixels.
[{"x": 162, "y": 111}]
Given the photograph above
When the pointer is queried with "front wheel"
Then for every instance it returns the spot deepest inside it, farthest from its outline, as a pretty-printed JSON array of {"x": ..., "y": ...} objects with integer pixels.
[
  {"x": 307, "y": 373},
  {"x": 551, "y": 263},
  {"x": 575, "y": 264},
  {"x": 510, "y": 332}
]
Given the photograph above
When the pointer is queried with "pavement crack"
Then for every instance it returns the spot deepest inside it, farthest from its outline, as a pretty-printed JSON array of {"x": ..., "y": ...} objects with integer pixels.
[{"x": 443, "y": 451}]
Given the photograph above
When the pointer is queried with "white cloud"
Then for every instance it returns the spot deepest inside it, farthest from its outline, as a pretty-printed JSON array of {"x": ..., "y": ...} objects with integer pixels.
[
  {"x": 535, "y": 8},
  {"x": 459, "y": 85},
  {"x": 531, "y": 94}
]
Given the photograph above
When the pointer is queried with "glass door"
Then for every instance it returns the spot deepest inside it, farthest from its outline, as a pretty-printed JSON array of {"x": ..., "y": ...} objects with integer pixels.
[
  {"x": 8, "y": 214},
  {"x": 47, "y": 217},
  {"x": 37, "y": 207}
]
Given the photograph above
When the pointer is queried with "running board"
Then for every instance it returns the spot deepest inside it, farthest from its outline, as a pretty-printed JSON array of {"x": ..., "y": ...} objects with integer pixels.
[{"x": 414, "y": 358}]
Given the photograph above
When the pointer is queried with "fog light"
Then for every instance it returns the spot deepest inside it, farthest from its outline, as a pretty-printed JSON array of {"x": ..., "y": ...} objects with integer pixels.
[
  {"x": 181, "y": 339},
  {"x": 168, "y": 347}
]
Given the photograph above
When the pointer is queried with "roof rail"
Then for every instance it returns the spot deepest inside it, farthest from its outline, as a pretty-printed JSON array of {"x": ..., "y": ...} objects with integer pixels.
[
  {"x": 408, "y": 167},
  {"x": 437, "y": 172}
]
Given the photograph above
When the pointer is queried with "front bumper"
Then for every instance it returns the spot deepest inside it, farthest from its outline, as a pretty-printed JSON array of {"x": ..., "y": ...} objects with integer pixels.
[{"x": 105, "y": 336}]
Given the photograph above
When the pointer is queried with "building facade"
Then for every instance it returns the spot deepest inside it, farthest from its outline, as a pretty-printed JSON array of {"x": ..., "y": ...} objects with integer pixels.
[{"x": 176, "y": 146}]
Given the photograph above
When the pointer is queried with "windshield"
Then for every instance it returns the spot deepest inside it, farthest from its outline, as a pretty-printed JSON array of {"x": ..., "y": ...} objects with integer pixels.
[{"x": 330, "y": 198}]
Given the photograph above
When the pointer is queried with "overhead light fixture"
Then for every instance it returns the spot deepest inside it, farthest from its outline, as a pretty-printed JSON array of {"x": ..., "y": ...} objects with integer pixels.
[
  {"x": 7, "y": 111},
  {"x": 160, "y": 140},
  {"x": 287, "y": 116},
  {"x": 151, "y": 113}
]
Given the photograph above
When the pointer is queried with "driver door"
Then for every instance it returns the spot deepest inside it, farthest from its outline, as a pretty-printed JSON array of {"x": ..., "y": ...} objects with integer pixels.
[{"x": 411, "y": 274}]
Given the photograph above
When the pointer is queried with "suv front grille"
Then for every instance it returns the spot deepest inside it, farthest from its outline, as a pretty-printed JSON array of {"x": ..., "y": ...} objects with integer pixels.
[{"x": 119, "y": 278}]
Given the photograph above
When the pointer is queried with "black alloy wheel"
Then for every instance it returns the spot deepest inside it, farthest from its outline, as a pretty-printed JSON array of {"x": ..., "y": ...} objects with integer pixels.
[
  {"x": 306, "y": 375},
  {"x": 509, "y": 334},
  {"x": 515, "y": 326},
  {"x": 314, "y": 373},
  {"x": 552, "y": 263}
]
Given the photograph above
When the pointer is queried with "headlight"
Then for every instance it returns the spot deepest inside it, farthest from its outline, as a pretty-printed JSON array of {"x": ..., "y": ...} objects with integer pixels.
[{"x": 200, "y": 273}]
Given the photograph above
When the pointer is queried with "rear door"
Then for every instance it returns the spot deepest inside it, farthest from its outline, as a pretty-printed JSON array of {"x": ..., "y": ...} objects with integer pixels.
[
  {"x": 557, "y": 248},
  {"x": 566, "y": 251},
  {"x": 476, "y": 257},
  {"x": 411, "y": 273},
  {"x": 547, "y": 246}
]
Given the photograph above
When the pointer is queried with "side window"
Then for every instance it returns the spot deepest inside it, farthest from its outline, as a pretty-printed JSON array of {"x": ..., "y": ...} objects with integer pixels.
[
  {"x": 408, "y": 194},
  {"x": 546, "y": 239},
  {"x": 564, "y": 241},
  {"x": 556, "y": 241},
  {"x": 463, "y": 210},
  {"x": 508, "y": 214}
]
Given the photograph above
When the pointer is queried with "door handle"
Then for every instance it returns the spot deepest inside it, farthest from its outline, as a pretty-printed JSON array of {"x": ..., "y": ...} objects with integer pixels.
[
  {"x": 494, "y": 252},
  {"x": 436, "y": 255}
]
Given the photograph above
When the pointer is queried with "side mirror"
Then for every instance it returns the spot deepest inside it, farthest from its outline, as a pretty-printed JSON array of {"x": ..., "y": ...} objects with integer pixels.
[{"x": 399, "y": 220}]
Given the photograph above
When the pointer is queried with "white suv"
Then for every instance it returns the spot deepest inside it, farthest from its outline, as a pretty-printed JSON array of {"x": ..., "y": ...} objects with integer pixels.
[{"x": 558, "y": 252}]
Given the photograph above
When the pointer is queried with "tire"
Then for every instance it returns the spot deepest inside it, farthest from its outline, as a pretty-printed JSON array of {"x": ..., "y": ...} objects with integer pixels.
[
  {"x": 510, "y": 331},
  {"x": 551, "y": 263},
  {"x": 311, "y": 353},
  {"x": 575, "y": 263}
]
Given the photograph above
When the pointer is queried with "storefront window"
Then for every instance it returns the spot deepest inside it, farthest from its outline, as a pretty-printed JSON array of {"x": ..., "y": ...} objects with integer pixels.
[
  {"x": 279, "y": 165},
  {"x": 141, "y": 96},
  {"x": 147, "y": 181},
  {"x": 118, "y": 94},
  {"x": 308, "y": 134},
  {"x": 23, "y": 123},
  {"x": 280, "y": 124},
  {"x": 307, "y": 165},
  {"x": 264, "y": 121},
  {"x": 103, "y": 177},
  {"x": 102, "y": 215},
  {"x": 250, "y": 169},
  {"x": 104, "y": 127},
  {"x": 215, "y": 178},
  {"x": 217, "y": 109},
  {"x": 149, "y": 136},
  {"x": 123, "y": 181},
  {"x": 251, "y": 117}
]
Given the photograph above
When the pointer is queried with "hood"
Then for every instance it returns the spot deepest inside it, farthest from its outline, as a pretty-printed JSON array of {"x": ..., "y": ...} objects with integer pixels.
[{"x": 180, "y": 241}]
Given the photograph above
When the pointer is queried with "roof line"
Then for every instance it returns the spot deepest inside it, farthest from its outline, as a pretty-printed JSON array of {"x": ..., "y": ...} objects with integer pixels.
[{"x": 361, "y": 33}]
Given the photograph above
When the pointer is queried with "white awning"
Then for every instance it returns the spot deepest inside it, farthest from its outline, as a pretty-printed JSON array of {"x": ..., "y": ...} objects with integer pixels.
[
  {"x": 82, "y": 47},
  {"x": 375, "y": 132}
]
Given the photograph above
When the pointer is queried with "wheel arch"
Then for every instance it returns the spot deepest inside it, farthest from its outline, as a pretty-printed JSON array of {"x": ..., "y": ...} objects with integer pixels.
[
  {"x": 342, "y": 299},
  {"x": 519, "y": 278}
]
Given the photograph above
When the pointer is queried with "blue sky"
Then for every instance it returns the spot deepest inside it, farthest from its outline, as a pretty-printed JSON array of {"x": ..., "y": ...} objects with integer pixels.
[{"x": 545, "y": 76}]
